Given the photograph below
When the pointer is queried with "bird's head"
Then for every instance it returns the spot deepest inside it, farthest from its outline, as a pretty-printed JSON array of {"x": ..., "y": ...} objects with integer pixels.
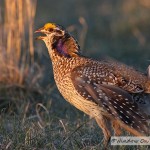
[
  {"x": 57, "y": 38},
  {"x": 51, "y": 32}
]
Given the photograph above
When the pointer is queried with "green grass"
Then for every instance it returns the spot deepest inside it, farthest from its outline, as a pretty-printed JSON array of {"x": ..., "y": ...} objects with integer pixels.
[
  {"x": 50, "y": 123},
  {"x": 48, "y": 131}
]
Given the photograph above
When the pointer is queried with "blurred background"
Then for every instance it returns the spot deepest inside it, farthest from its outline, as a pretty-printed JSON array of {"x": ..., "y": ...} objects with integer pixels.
[
  {"x": 116, "y": 28},
  {"x": 33, "y": 113}
]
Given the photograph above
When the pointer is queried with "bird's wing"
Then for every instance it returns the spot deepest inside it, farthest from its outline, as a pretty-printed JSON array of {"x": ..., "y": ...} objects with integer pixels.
[
  {"x": 139, "y": 80},
  {"x": 116, "y": 101}
]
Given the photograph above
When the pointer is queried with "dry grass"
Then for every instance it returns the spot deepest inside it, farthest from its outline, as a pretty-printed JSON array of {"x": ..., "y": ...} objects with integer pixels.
[
  {"x": 16, "y": 43},
  {"x": 19, "y": 73}
]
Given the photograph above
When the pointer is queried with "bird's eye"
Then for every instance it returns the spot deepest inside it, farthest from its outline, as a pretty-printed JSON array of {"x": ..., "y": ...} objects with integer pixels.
[
  {"x": 58, "y": 31},
  {"x": 50, "y": 30}
]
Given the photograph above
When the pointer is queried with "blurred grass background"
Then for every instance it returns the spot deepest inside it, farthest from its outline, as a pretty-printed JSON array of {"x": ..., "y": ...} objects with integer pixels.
[{"x": 33, "y": 113}]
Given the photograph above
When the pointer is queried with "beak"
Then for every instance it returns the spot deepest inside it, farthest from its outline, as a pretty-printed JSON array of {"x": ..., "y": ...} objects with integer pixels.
[
  {"x": 40, "y": 38},
  {"x": 41, "y": 30}
]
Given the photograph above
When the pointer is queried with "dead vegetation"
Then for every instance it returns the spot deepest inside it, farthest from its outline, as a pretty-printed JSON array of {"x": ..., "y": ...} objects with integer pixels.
[
  {"x": 19, "y": 73},
  {"x": 16, "y": 42}
]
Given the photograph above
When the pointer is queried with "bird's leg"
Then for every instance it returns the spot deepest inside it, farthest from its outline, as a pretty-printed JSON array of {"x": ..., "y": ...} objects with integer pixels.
[
  {"x": 103, "y": 125},
  {"x": 116, "y": 128}
]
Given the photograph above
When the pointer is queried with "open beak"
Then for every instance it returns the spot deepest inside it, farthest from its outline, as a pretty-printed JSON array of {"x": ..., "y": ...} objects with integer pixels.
[
  {"x": 41, "y": 30},
  {"x": 40, "y": 37}
]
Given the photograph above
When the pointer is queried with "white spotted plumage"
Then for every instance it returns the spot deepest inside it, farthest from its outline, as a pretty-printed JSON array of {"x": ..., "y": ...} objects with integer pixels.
[{"x": 105, "y": 90}]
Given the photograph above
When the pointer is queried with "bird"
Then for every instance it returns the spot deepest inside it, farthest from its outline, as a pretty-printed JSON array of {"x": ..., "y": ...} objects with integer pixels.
[{"x": 117, "y": 96}]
